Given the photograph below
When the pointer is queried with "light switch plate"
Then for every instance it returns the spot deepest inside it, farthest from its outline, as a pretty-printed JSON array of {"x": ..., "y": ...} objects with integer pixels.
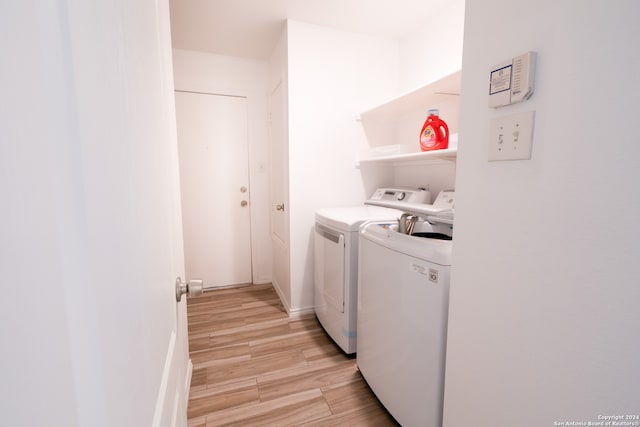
[{"x": 511, "y": 137}]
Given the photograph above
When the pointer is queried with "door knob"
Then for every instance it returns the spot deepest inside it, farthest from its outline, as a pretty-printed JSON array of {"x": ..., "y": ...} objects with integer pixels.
[
  {"x": 280, "y": 207},
  {"x": 193, "y": 288},
  {"x": 243, "y": 189},
  {"x": 243, "y": 203}
]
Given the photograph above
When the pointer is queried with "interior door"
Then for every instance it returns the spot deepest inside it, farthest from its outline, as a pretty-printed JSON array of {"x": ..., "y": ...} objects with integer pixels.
[
  {"x": 214, "y": 181},
  {"x": 279, "y": 168},
  {"x": 279, "y": 151},
  {"x": 92, "y": 226}
]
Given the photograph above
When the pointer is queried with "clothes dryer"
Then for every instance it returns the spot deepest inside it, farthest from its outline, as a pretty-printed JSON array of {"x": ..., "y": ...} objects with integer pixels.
[{"x": 336, "y": 268}]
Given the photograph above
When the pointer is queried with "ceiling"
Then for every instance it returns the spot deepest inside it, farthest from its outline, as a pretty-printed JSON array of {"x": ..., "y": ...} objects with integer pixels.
[{"x": 251, "y": 28}]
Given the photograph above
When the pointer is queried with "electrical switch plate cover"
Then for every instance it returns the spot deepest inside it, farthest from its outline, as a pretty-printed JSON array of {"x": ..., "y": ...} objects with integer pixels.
[{"x": 511, "y": 137}]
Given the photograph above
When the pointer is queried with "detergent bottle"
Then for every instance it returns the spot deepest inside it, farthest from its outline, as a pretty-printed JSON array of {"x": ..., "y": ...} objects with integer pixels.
[{"x": 434, "y": 134}]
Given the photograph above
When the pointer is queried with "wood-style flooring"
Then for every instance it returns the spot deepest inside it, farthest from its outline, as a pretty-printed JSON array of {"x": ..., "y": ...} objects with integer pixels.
[{"x": 254, "y": 366}]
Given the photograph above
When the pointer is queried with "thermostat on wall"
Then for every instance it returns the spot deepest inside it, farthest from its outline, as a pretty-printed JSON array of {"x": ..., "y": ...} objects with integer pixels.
[{"x": 512, "y": 81}]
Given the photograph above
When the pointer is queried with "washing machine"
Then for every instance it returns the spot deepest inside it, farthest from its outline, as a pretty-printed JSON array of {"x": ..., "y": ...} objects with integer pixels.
[
  {"x": 403, "y": 300},
  {"x": 336, "y": 261}
]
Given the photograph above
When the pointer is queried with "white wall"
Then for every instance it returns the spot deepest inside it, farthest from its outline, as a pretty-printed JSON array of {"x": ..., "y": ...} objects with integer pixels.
[
  {"x": 430, "y": 52},
  {"x": 333, "y": 75},
  {"x": 544, "y": 322},
  {"x": 434, "y": 49},
  {"x": 208, "y": 73}
]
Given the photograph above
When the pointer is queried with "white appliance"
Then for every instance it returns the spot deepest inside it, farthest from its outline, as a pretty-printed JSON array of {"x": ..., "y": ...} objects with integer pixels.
[
  {"x": 336, "y": 263},
  {"x": 403, "y": 298}
]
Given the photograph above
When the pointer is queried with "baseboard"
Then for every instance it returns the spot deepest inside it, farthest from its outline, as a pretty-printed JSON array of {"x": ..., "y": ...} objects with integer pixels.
[
  {"x": 292, "y": 312},
  {"x": 284, "y": 302},
  {"x": 301, "y": 312},
  {"x": 187, "y": 383}
]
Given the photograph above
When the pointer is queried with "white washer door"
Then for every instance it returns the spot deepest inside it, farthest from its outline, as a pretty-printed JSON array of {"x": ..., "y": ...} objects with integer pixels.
[{"x": 329, "y": 253}]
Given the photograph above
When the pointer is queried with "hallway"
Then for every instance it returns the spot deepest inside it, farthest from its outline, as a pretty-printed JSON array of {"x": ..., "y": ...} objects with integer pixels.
[{"x": 253, "y": 365}]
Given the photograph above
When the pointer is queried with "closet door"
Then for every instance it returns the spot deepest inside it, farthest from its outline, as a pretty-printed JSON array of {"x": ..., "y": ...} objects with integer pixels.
[
  {"x": 214, "y": 182},
  {"x": 279, "y": 187}
]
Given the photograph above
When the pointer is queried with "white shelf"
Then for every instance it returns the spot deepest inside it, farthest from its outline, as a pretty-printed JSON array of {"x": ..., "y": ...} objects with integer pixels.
[
  {"x": 392, "y": 120},
  {"x": 433, "y": 93},
  {"x": 405, "y": 158}
]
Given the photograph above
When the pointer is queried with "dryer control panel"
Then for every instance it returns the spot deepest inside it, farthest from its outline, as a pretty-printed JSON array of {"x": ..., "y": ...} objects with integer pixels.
[
  {"x": 407, "y": 195},
  {"x": 441, "y": 210}
]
